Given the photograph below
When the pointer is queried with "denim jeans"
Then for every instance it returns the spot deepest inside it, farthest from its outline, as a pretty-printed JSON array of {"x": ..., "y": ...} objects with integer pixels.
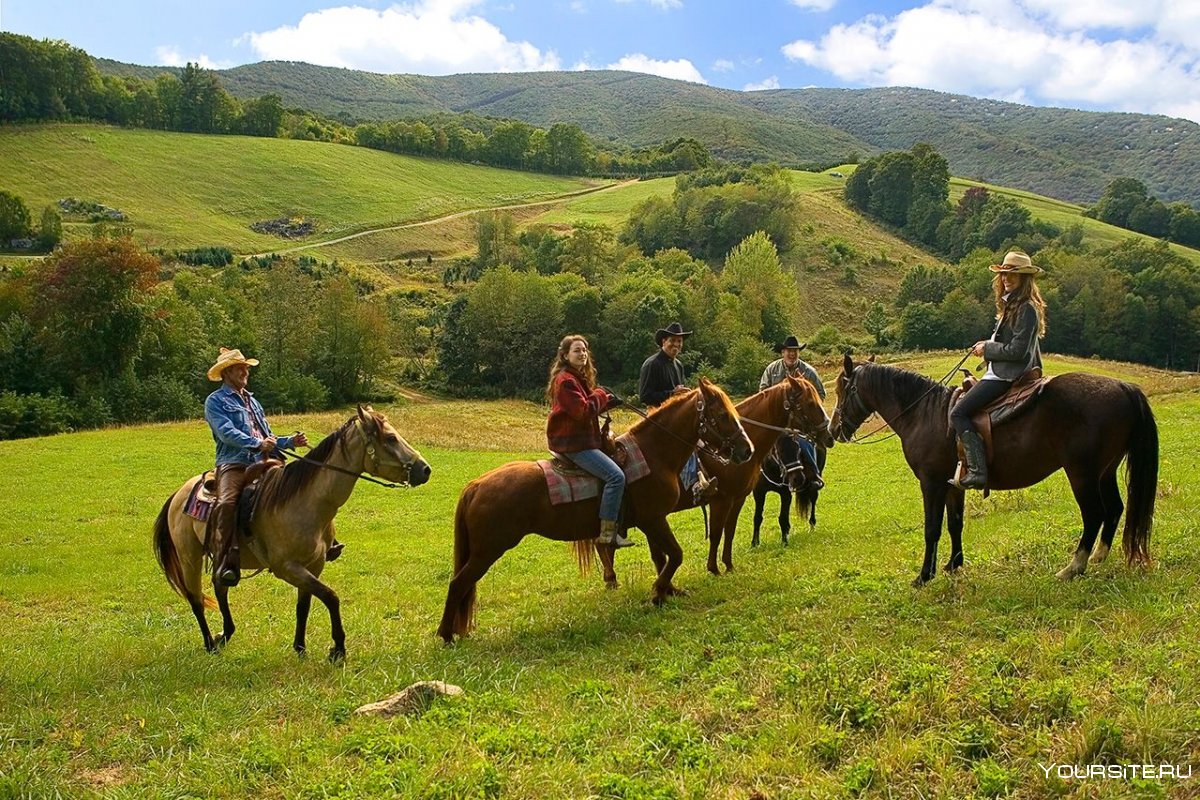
[
  {"x": 691, "y": 471},
  {"x": 983, "y": 393},
  {"x": 812, "y": 454},
  {"x": 604, "y": 468}
]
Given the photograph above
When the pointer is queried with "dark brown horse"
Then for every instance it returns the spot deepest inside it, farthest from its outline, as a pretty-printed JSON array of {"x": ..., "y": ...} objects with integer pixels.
[
  {"x": 793, "y": 404},
  {"x": 1083, "y": 424},
  {"x": 496, "y": 510},
  {"x": 784, "y": 474}
]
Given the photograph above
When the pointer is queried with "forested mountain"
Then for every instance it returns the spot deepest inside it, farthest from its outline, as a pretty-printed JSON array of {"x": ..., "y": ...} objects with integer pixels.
[{"x": 1063, "y": 153}]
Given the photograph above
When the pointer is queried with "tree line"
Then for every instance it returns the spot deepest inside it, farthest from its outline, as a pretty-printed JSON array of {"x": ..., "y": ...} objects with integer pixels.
[
  {"x": 49, "y": 80},
  {"x": 1127, "y": 204}
]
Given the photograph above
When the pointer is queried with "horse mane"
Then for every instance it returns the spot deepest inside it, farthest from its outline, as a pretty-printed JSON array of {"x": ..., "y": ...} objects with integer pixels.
[
  {"x": 903, "y": 384},
  {"x": 670, "y": 402},
  {"x": 281, "y": 485}
]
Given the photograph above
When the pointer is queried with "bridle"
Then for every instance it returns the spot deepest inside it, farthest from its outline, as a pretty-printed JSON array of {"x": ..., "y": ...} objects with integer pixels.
[
  {"x": 372, "y": 454},
  {"x": 785, "y": 468},
  {"x": 722, "y": 453},
  {"x": 860, "y": 408},
  {"x": 791, "y": 404}
]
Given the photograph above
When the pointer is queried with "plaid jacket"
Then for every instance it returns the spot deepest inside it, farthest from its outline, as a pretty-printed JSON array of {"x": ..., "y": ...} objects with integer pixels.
[{"x": 574, "y": 422}]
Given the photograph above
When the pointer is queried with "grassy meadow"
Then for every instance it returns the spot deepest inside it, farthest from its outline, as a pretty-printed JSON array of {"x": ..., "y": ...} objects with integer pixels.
[
  {"x": 188, "y": 190},
  {"x": 812, "y": 671}
]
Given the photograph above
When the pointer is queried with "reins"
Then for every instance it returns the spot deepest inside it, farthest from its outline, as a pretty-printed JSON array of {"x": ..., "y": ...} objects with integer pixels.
[
  {"x": 703, "y": 447},
  {"x": 886, "y": 424},
  {"x": 361, "y": 475}
]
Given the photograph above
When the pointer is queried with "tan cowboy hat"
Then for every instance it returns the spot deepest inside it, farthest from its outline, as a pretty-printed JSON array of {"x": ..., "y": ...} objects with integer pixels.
[
  {"x": 227, "y": 359},
  {"x": 1016, "y": 262}
]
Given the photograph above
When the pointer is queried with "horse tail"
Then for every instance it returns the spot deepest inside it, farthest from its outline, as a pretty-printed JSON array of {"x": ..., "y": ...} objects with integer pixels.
[
  {"x": 464, "y": 615},
  {"x": 585, "y": 555},
  {"x": 168, "y": 556},
  {"x": 802, "y": 504},
  {"x": 1141, "y": 479}
]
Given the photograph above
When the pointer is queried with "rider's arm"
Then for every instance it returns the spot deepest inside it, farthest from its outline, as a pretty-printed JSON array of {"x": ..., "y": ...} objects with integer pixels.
[
  {"x": 219, "y": 414},
  {"x": 814, "y": 379},
  {"x": 577, "y": 403},
  {"x": 1025, "y": 327}
]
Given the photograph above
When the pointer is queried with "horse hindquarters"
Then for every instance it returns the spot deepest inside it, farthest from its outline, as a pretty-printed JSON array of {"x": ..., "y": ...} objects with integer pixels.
[{"x": 173, "y": 533}]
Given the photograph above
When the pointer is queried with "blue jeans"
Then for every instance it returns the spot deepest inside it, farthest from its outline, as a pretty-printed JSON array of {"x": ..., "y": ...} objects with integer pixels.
[
  {"x": 604, "y": 468},
  {"x": 814, "y": 456},
  {"x": 691, "y": 471}
]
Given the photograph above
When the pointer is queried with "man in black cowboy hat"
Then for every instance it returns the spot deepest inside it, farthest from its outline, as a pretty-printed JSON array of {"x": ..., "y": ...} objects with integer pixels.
[
  {"x": 789, "y": 364},
  {"x": 661, "y": 377}
]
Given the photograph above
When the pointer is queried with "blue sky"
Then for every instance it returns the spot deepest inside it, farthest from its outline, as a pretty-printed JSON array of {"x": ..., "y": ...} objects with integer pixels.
[{"x": 1122, "y": 55}]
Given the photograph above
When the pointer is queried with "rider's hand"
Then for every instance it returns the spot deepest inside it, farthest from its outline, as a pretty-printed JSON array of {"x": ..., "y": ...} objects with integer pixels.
[
  {"x": 680, "y": 389},
  {"x": 268, "y": 444},
  {"x": 300, "y": 440},
  {"x": 977, "y": 350},
  {"x": 614, "y": 401}
]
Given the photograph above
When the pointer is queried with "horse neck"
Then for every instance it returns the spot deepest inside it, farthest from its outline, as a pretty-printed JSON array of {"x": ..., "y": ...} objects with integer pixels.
[
  {"x": 681, "y": 419},
  {"x": 906, "y": 409},
  {"x": 330, "y": 489},
  {"x": 766, "y": 407}
]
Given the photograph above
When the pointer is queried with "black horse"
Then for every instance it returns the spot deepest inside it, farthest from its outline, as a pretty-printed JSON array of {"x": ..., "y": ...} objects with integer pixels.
[
  {"x": 1083, "y": 424},
  {"x": 786, "y": 472}
]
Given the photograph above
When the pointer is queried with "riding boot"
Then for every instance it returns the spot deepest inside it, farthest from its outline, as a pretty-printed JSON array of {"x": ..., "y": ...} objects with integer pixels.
[
  {"x": 229, "y": 559},
  {"x": 703, "y": 488},
  {"x": 334, "y": 550},
  {"x": 976, "y": 454},
  {"x": 610, "y": 535}
]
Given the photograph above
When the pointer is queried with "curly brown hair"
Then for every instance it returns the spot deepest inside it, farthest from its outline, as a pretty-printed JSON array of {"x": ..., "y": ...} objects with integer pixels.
[{"x": 588, "y": 373}]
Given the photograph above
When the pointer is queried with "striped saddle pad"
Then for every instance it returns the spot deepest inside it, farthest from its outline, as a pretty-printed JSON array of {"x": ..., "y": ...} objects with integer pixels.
[{"x": 574, "y": 487}]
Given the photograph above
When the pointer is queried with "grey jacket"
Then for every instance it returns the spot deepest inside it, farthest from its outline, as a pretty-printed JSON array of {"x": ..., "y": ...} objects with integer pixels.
[{"x": 1015, "y": 349}]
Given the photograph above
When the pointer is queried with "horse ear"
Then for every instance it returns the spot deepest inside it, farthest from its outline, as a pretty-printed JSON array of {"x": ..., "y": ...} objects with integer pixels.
[
  {"x": 871, "y": 358},
  {"x": 367, "y": 417},
  {"x": 847, "y": 364}
]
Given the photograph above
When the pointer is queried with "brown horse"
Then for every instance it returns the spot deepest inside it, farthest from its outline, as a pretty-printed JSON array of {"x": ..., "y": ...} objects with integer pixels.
[
  {"x": 496, "y": 510},
  {"x": 1083, "y": 424},
  {"x": 793, "y": 403},
  {"x": 293, "y": 522}
]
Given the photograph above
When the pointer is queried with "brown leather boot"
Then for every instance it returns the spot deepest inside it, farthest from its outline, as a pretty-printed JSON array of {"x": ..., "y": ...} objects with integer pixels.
[{"x": 609, "y": 535}]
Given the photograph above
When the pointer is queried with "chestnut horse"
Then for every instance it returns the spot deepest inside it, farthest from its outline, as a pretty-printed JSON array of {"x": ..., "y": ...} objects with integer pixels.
[
  {"x": 496, "y": 510},
  {"x": 1083, "y": 424},
  {"x": 293, "y": 522},
  {"x": 793, "y": 404}
]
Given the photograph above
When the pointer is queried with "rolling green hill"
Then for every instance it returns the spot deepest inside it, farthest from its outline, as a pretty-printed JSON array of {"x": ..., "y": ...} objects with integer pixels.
[
  {"x": 187, "y": 190},
  {"x": 1062, "y": 153}
]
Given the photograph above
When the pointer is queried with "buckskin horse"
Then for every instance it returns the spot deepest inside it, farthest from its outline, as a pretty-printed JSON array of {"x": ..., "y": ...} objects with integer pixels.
[
  {"x": 293, "y": 522},
  {"x": 1083, "y": 424},
  {"x": 498, "y": 509},
  {"x": 792, "y": 404}
]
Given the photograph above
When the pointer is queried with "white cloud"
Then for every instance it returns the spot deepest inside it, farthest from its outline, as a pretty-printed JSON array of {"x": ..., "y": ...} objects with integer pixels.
[
  {"x": 722, "y": 65},
  {"x": 431, "y": 37},
  {"x": 1039, "y": 52},
  {"x": 169, "y": 56},
  {"x": 680, "y": 69},
  {"x": 663, "y": 4},
  {"x": 815, "y": 5},
  {"x": 770, "y": 83}
]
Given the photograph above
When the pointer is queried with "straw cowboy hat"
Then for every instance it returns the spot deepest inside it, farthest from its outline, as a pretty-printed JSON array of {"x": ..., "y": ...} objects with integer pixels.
[
  {"x": 1016, "y": 262},
  {"x": 674, "y": 329},
  {"x": 227, "y": 359},
  {"x": 790, "y": 342}
]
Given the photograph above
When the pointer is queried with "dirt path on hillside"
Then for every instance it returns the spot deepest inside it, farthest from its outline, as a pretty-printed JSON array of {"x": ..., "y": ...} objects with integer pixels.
[{"x": 554, "y": 201}]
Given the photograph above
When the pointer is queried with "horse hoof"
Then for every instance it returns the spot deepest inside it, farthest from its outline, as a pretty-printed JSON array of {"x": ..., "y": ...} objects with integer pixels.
[
  {"x": 337, "y": 654},
  {"x": 610, "y": 585},
  {"x": 1067, "y": 573},
  {"x": 919, "y": 581},
  {"x": 714, "y": 570},
  {"x": 675, "y": 591},
  {"x": 1100, "y": 553},
  {"x": 754, "y": 542},
  {"x": 301, "y": 651}
]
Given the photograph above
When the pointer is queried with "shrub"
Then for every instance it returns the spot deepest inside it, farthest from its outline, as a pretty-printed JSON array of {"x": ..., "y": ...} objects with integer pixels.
[{"x": 23, "y": 416}]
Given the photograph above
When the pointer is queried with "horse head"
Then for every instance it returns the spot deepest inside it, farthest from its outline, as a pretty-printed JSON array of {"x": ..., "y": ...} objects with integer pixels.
[
  {"x": 805, "y": 412},
  {"x": 850, "y": 411},
  {"x": 720, "y": 426},
  {"x": 386, "y": 455}
]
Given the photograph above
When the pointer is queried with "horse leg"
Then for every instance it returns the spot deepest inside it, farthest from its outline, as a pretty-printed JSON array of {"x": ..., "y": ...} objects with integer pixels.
[
  {"x": 812, "y": 509},
  {"x": 1086, "y": 489},
  {"x": 299, "y": 576},
  {"x": 606, "y": 553},
  {"x": 760, "y": 496},
  {"x": 716, "y": 522},
  {"x": 227, "y": 626},
  {"x": 785, "y": 508},
  {"x": 1113, "y": 508},
  {"x": 933, "y": 493},
  {"x": 197, "y": 605},
  {"x": 955, "y": 505},
  {"x": 460, "y": 595},
  {"x": 303, "y": 603},
  {"x": 730, "y": 528},
  {"x": 672, "y": 555}
]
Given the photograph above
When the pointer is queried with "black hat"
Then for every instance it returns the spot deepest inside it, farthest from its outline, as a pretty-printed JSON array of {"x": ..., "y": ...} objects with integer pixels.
[
  {"x": 674, "y": 329},
  {"x": 790, "y": 341}
]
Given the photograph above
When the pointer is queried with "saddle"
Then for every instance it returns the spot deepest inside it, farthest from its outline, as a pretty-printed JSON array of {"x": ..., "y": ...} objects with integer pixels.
[
  {"x": 249, "y": 497},
  {"x": 1019, "y": 397},
  {"x": 609, "y": 445}
]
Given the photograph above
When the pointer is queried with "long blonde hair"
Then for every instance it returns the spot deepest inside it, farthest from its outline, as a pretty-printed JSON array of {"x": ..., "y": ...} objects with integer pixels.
[
  {"x": 1026, "y": 292},
  {"x": 560, "y": 363}
]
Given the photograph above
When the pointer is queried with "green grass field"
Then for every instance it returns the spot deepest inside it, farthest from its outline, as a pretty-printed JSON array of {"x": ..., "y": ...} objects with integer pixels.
[
  {"x": 187, "y": 190},
  {"x": 812, "y": 671}
]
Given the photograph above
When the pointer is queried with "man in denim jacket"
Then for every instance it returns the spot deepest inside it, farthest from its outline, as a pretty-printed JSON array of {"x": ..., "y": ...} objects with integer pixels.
[{"x": 243, "y": 437}]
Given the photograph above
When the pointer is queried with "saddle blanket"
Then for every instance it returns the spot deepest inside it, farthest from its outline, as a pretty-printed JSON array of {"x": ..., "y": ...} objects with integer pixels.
[
  {"x": 200, "y": 501},
  {"x": 572, "y": 488}
]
